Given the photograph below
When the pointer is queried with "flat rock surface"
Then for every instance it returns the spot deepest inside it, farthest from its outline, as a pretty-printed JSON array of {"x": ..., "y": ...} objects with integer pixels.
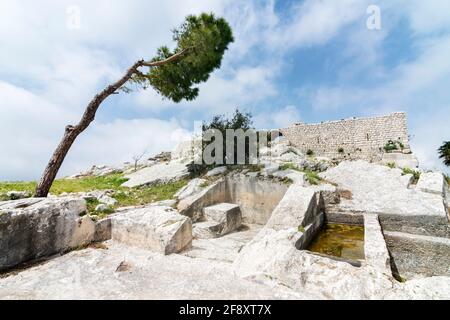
[
  {"x": 225, "y": 248},
  {"x": 377, "y": 188},
  {"x": 91, "y": 274},
  {"x": 157, "y": 228},
  {"x": 159, "y": 173}
]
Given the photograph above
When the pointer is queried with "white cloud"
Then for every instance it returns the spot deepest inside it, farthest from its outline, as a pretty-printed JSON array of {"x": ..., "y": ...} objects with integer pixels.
[
  {"x": 280, "y": 118},
  {"x": 117, "y": 141},
  {"x": 315, "y": 22},
  {"x": 48, "y": 73},
  {"x": 31, "y": 127},
  {"x": 419, "y": 87}
]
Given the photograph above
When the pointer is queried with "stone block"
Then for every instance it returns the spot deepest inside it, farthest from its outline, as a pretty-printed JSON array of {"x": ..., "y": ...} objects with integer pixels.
[
  {"x": 37, "y": 227},
  {"x": 159, "y": 229},
  {"x": 431, "y": 182},
  {"x": 227, "y": 216}
]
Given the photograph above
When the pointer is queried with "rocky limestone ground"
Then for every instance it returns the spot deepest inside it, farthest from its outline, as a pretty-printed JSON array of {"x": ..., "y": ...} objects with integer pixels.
[{"x": 153, "y": 253}]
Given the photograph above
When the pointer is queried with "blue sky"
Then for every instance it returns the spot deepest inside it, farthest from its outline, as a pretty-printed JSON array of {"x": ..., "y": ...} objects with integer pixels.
[{"x": 292, "y": 61}]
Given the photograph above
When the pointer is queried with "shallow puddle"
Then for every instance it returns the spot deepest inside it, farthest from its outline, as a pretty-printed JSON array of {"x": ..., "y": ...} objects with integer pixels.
[{"x": 340, "y": 240}]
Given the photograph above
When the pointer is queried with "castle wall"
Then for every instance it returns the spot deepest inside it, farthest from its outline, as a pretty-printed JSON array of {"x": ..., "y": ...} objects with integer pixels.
[{"x": 362, "y": 138}]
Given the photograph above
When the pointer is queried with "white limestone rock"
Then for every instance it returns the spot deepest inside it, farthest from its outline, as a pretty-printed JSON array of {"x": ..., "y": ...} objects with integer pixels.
[
  {"x": 270, "y": 168},
  {"x": 187, "y": 151},
  {"x": 228, "y": 217},
  {"x": 194, "y": 186},
  {"x": 326, "y": 278},
  {"x": 160, "y": 229},
  {"x": 267, "y": 247},
  {"x": 109, "y": 201},
  {"x": 377, "y": 188},
  {"x": 39, "y": 227},
  {"x": 432, "y": 288},
  {"x": 216, "y": 171},
  {"x": 159, "y": 173},
  {"x": 101, "y": 207},
  {"x": 431, "y": 182},
  {"x": 375, "y": 249},
  {"x": 401, "y": 160}
]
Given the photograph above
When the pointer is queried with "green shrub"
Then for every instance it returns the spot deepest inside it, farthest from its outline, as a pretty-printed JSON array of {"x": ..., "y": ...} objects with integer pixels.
[
  {"x": 309, "y": 152},
  {"x": 391, "y": 165},
  {"x": 312, "y": 177},
  {"x": 415, "y": 174},
  {"x": 390, "y": 146},
  {"x": 289, "y": 165},
  {"x": 341, "y": 150}
]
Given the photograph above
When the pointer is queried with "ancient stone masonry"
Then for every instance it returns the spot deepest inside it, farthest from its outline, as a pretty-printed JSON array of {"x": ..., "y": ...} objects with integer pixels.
[{"x": 356, "y": 138}]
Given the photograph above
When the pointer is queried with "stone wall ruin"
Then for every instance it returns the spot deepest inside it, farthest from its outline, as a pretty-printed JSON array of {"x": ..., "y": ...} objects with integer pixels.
[{"x": 355, "y": 138}]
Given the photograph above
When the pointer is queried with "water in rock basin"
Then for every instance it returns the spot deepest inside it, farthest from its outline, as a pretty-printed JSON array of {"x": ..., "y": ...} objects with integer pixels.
[{"x": 340, "y": 240}]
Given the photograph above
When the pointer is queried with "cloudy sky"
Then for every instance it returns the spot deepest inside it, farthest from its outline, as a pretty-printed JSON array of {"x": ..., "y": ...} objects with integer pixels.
[{"x": 291, "y": 61}]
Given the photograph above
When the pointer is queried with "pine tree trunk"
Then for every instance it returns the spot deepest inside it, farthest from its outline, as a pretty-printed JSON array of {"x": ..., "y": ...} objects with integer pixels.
[{"x": 72, "y": 132}]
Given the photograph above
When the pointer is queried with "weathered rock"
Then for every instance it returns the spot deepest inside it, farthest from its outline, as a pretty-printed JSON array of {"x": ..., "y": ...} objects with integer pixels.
[
  {"x": 418, "y": 255},
  {"x": 15, "y": 195},
  {"x": 431, "y": 182},
  {"x": 164, "y": 203},
  {"x": 160, "y": 229},
  {"x": 216, "y": 171},
  {"x": 227, "y": 216},
  {"x": 268, "y": 246},
  {"x": 34, "y": 228},
  {"x": 401, "y": 160},
  {"x": 379, "y": 189},
  {"x": 102, "y": 207},
  {"x": 270, "y": 168},
  {"x": 193, "y": 205},
  {"x": 375, "y": 249},
  {"x": 433, "y": 288},
  {"x": 205, "y": 230},
  {"x": 326, "y": 278},
  {"x": 102, "y": 230},
  {"x": 105, "y": 199},
  {"x": 187, "y": 151},
  {"x": 159, "y": 173},
  {"x": 194, "y": 186}
]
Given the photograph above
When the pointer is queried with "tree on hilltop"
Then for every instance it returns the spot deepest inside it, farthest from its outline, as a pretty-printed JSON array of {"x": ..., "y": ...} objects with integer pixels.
[{"x": 201, "y": 42}]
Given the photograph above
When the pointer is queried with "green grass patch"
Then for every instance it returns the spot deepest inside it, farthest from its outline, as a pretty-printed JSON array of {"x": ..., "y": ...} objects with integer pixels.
[
  {"x": 85, "y": 184},
  {"x": 312, "y": 177},
  {"x": 291, "y": 166},
  {"x": 124, "y": 196},
  {"x": 391, "y": 165},
  {"x": 415, "y": 174},
  {"x": 145, "y": 195}
]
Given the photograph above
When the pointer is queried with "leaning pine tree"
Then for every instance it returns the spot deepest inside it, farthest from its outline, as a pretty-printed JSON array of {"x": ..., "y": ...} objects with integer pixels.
[
  {"x": 201, "y": 43},
  {"x": 444, "y": 153}
]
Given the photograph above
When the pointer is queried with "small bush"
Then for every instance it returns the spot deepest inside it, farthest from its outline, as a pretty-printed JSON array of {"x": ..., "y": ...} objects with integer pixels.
[
  {"x": 312, "y": 177},
  {"x": 415, "y": 174},
  {"x": 289, "y": 165},
  {"x": 309, "y": 152},
  {"x": 393, "y": 145},
  {"x": 341, "y": 150},
  {"x": 391, "y": 165},
  {"x": 390, "y": 146}
]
